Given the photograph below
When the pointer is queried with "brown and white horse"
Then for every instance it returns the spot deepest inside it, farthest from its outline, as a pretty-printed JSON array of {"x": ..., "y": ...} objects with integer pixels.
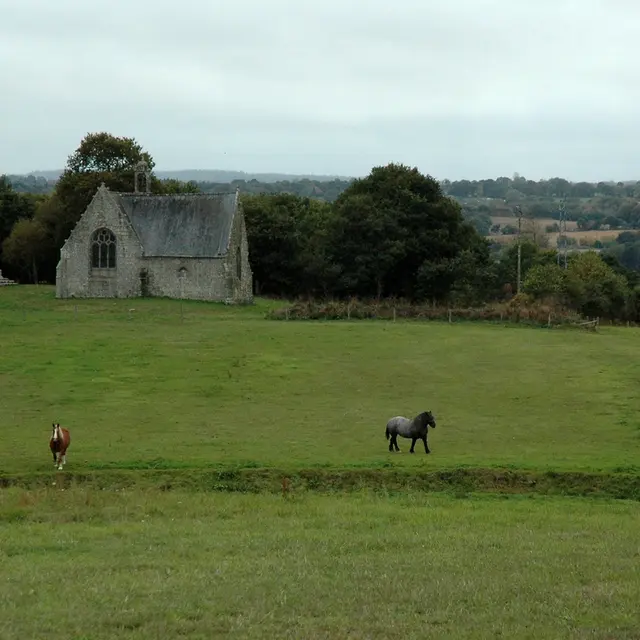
[{"x": 59, "y": 443}]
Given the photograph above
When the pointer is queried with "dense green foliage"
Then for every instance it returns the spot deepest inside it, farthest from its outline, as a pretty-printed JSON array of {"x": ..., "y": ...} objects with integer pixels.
[
  {"x": 396, "y": 234},
  {"x": 393, "y": 234},
  {"x": 626, "y": 250},
  {"x": 289, "y": 244},
  {"x": 16, "y": 209}
]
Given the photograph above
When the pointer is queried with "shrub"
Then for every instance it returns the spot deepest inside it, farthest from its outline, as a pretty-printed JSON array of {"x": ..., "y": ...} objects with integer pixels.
[{"x": 521, "y": 308}]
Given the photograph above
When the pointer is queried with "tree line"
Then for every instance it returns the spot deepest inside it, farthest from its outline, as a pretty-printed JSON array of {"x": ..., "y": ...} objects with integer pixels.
[
  {"x": 519, "y": 186},
  {"x": 327, "y": 190},
  {"x": 393, "y": 233},
  {"x": 593, "y": 205},
  {"x": 502, "y": 188}
]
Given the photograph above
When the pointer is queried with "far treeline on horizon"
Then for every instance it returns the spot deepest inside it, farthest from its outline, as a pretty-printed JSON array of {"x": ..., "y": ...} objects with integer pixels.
[
  {"x": 396, "y": 232},
  {"x": 588, "y": 204}
]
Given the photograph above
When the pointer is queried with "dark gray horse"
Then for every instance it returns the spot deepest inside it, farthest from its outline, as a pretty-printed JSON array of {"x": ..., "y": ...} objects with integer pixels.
[{"x": 415, "y": 429}]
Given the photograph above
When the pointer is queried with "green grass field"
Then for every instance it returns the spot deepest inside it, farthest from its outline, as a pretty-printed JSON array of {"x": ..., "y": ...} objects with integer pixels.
[
  {"x": 191, "y": 397},
  {"x": 137, "y": 565},
  {"x": 214, "y": 386}
]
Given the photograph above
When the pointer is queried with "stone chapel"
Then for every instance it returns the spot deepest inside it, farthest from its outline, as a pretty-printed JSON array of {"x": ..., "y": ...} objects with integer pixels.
[{"x": 189, "y": 246}]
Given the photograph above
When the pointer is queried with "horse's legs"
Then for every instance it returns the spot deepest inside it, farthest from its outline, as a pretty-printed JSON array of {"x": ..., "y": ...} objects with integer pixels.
[
  {"x": 426, "y": 446},
  {"x": 58, "y": 462},
  {"x": 391, "y": 443},
  {"x": 413, "y": 444}
]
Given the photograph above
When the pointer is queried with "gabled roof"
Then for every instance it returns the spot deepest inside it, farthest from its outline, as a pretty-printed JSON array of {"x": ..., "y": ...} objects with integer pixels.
[{"x": 181, "y": 225}]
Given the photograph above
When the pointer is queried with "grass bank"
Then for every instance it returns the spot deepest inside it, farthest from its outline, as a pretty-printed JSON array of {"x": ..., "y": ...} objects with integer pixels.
[{"x": 459, "y": 482}]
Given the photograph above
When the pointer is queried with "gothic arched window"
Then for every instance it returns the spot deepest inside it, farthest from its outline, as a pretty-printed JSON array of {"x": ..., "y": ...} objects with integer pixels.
[{"x": 103, "y": 249}]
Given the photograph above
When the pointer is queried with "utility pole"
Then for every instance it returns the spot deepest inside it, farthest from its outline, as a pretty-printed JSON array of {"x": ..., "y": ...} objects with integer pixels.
[
  {"x": 518, "y": 210},
  {"x": 562, "y": 235}
]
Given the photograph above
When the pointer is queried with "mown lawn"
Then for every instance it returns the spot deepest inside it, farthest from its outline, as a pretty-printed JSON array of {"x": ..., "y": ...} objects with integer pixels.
[
  {"x": 139, "y": 565},
  {"x": 143, "y": 383}
]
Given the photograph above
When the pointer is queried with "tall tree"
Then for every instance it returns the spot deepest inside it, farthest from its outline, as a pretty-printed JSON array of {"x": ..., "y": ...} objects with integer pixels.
[
  {"x": 395, "y": 233},
  {"x": 595, "y": 288},
  {"x": 13, "y": 208},
  {"x": 106, "y": 153},
  {"x": 287, "y": 243},
  {"x": 100, "y": 157},
  {"x": 22, "y": 249}
]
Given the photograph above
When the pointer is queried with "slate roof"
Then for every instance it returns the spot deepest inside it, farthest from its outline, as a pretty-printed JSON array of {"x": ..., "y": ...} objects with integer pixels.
[{"x": 182, "y": 225}]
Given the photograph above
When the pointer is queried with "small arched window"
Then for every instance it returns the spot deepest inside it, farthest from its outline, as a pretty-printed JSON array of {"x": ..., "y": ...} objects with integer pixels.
[
  {"x": 238, "y": 264},
  {"x": 103, "y": 249}
]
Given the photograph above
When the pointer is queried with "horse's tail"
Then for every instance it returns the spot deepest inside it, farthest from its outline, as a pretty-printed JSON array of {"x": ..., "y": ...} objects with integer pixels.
[{"x": 386, "y": 432}]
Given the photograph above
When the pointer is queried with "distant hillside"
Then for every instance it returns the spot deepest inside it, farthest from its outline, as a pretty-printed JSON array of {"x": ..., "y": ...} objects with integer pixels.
[
  {"x": 322, "y": 187},
  {"x": 593, "y": 206},
  {"x": 213, "y": 175}
]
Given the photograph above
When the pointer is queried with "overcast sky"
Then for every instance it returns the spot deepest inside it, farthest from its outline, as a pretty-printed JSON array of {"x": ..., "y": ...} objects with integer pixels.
[{"x": 458, "y": 88}]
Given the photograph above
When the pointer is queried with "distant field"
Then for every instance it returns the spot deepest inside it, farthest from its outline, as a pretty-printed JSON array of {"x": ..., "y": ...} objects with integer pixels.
[
  {"x": 218, "y": 387},
  {"x": 572, "y": 225},
  {"x": 588, "y": 237},
  {"x": 137, "y": 565}
]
